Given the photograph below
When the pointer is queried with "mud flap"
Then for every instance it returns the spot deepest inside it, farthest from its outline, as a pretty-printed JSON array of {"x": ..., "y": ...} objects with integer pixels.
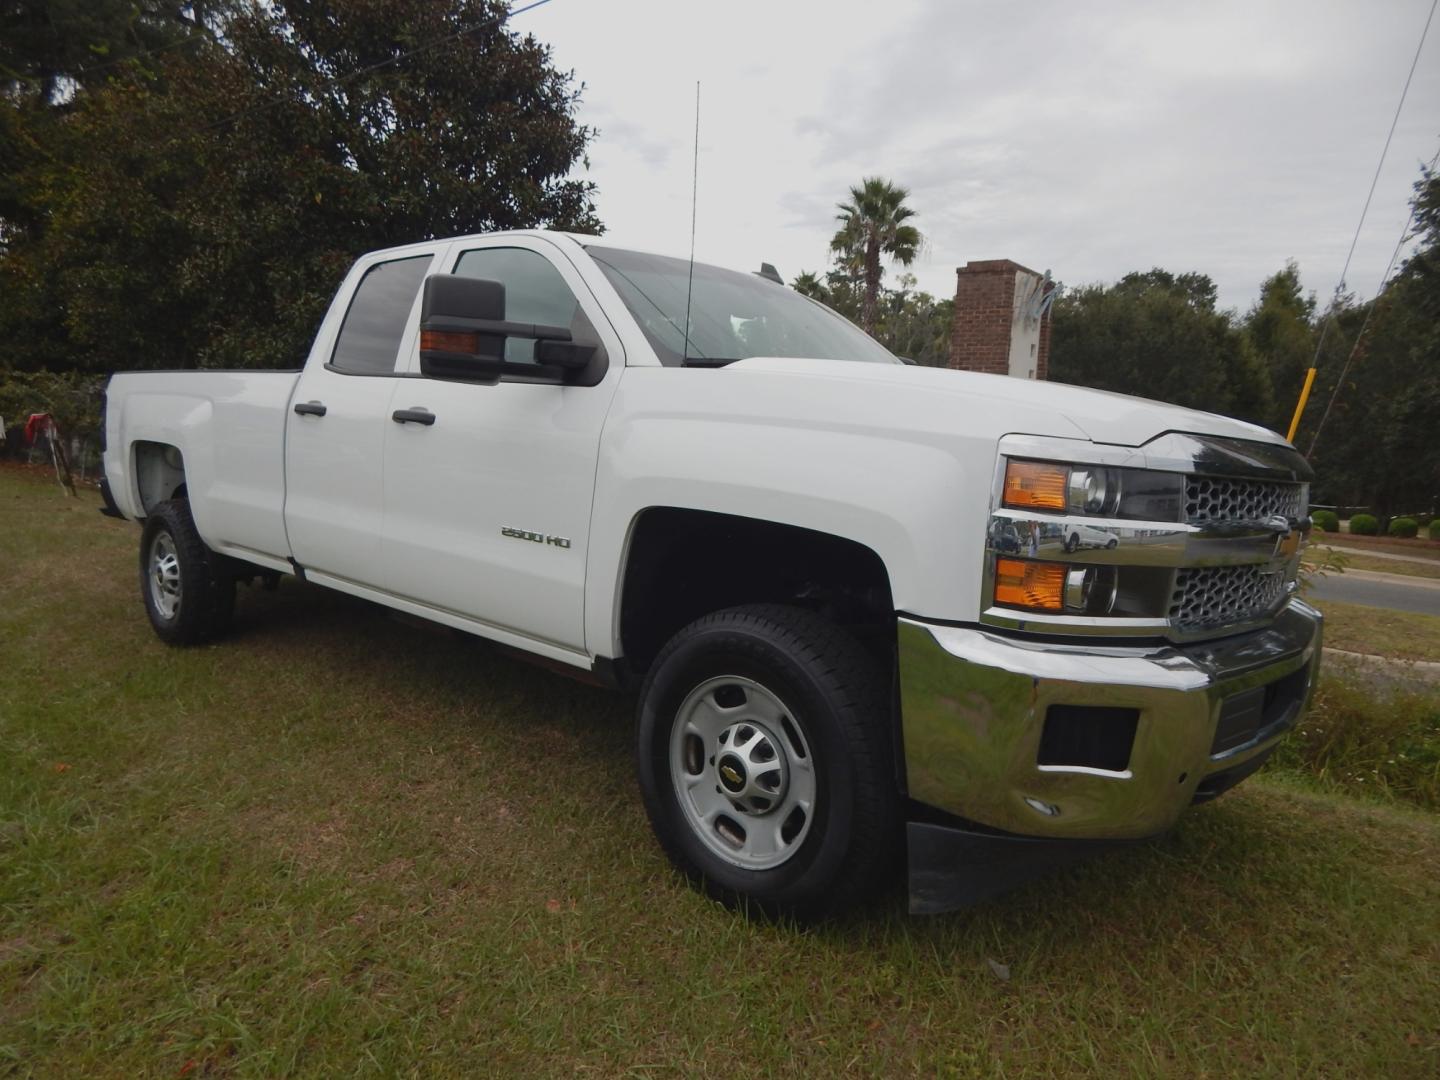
[{"x": 954, "y": 867}]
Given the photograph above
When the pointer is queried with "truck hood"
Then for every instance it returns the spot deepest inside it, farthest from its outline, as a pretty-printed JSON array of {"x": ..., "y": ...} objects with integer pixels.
[{"x": 1102, "y": 416}]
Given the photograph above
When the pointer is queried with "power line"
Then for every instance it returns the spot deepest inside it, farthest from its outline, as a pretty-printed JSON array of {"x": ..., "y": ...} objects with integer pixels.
[
  {"x": 1369, "y": 314},
  {"x": 1365, "y": 210}
]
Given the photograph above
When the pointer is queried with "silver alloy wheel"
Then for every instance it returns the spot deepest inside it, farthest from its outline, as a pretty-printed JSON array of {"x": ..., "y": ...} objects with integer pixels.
[
  {"x": 743, "y": 773},
  {"x": 164, "y": 575}
]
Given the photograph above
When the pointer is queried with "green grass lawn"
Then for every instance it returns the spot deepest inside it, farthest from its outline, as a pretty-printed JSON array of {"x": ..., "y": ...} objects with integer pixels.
[
  {"x": 1379, "y": 546},
  {"x": 1405, "y": 635},
  {"x": 1355, "y": 559},
  {"x": 337, "y": 844}
]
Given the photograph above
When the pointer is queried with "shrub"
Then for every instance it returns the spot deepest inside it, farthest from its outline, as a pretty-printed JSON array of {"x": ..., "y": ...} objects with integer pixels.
[
  {"x": 1325, "y": 520},
  {"x": 1364, "y": 525},
  {"x": 1362, "y": 736},
  {"x": 1435, "y": 529},
  {"x": 1403, "y": 527}
]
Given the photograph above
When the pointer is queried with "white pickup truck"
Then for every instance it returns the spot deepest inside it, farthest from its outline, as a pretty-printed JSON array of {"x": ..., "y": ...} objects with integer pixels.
[{"x": 873, "y": 611}]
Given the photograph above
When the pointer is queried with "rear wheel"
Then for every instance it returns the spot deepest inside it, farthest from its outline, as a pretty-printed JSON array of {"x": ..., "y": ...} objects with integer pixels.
[
  {"x": 188, "y": 590},
  {"x": 765, "y": 763}
]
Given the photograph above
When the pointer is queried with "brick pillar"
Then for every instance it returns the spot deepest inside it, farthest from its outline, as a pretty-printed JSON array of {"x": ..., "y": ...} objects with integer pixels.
[
  {"x": 984, "y": 300},
  {"x": 995, "y": 329}
]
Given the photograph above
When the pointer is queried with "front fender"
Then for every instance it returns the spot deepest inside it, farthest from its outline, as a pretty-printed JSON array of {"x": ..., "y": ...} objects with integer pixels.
[{"x": 902, "y": 480}]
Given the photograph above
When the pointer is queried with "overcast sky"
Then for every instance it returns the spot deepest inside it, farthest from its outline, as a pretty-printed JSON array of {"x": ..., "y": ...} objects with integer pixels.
[{"x": 1088, "y": 139}]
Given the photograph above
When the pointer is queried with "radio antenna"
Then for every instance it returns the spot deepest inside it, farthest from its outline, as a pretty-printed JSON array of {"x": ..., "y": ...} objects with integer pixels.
[{"x": 694, "y": 194}]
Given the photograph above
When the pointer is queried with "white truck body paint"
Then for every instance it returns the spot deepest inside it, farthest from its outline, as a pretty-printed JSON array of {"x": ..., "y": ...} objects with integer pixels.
[{"x": 899, "y": 459}]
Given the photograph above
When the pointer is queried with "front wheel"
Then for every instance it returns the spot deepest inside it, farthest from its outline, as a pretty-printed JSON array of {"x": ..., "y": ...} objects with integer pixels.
[
  {"x": 188, "y": 591},
  {"x": 765, "y": 762}
]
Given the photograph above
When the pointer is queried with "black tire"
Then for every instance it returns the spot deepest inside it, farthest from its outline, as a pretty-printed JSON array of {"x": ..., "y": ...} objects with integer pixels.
[
  {"x": 840, "y": 701},
  {"x": 1072, "y": 542},
  {"x": 206, "y": 588}
]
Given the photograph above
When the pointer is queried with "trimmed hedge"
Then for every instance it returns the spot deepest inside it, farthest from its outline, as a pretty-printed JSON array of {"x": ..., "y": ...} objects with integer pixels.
[
  {"x": 1404, "y": 527},
  {"x": 1365, "y": 525},
  {"x": 1325, "y": 520},
  {"x": 1435, "y": 529}
]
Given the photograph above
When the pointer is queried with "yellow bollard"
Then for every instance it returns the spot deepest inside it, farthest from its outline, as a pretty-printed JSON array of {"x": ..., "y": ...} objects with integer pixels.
[{"x": 1300, "y": 405}]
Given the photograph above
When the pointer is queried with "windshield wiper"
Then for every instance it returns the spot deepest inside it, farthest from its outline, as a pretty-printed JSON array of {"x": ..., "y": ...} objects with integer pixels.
[{"x": 710, "y": 361}]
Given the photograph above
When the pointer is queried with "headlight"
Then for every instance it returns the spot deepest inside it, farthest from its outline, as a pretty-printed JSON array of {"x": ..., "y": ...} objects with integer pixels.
[
  {"x": 1090, "y": 490},
  {"x": 1049, "y": 586},
  {"x": 1093, "y": 490}
]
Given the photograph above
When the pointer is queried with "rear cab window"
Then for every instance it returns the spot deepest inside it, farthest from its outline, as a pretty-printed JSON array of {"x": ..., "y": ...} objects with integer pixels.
[{"x": 369, "y": 338}]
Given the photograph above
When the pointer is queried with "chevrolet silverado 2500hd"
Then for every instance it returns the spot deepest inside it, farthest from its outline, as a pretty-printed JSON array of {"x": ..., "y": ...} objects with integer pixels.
[{"x": 871, "y": 608}]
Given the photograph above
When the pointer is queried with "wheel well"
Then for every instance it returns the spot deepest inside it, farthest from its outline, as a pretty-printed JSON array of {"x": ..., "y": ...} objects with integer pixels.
[
  {"x": 159, "y": 473},
  {"x": 686, "y": 563}
]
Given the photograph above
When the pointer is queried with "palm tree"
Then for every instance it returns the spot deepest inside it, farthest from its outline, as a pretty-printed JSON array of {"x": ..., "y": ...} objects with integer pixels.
[
  {"x": 807, "y": 283},
  {"x": 872, "y": 224}
]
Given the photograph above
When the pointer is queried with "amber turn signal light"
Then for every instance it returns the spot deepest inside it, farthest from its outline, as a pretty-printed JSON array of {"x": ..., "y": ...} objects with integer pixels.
[
  {"x": 1036, "y": 585},
  {"x": 1036, "y": 485},
  {"x": 456, "y": 341}
]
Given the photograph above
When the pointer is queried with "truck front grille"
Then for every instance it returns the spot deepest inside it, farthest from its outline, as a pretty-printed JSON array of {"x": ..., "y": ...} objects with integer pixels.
[
  {"x": 1212, "y": 498},
  {"x": 1220, "y": 595}
]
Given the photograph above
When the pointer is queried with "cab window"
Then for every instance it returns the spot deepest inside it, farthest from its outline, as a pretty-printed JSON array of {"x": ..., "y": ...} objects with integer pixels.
[
  {"x": 534, "y": 293},
  {"x": 369, "y": 338}
]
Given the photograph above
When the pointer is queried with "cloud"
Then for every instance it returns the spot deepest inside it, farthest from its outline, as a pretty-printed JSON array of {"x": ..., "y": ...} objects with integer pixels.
[{"x": 1092, "y": 139}]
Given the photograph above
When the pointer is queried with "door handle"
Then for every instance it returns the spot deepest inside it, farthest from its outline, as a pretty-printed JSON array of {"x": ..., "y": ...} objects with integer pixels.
[
  {"x": 309, "y": 408},
  {"x": 413, "y": 416}
]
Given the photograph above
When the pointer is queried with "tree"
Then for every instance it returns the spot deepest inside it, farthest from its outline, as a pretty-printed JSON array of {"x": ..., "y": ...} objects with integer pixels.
[
  {"x": 1158, "y": 335},
  {"x": 1377, "y": 447},
  {"x": 915, "y": 325},
  {"x": 49, "y": 48},
  {"x": 809, "y": 284},
  {"x": 872, "y": 224},
  {"x": 1280, "y": 327},
  {"x": 199, "y": 209}
]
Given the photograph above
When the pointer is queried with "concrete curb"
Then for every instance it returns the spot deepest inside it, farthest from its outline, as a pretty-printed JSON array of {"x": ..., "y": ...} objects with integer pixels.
[
  {"x": 1411, "y": 580},
  {"x": 1425, "y": 669}
]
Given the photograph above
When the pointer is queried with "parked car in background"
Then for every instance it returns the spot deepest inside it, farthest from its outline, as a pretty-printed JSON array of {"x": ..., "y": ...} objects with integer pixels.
[{"x": 1079, "y": 535}]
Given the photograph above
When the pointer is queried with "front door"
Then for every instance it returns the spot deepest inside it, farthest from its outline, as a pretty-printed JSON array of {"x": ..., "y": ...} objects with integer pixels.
[
  {"x": 340, "y": 416},
  {"x": 487, "y": 507}
]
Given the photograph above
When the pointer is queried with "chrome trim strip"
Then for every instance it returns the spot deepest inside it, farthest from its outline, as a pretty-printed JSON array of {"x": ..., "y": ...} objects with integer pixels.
[
  {"x": 1174, "y": 451},
  {"x": 1038, "y": 622},
  {"x": 1085, "y": 770},
  {"x": 1100, "y": 542},
  {"x": 974, "y": 704}
]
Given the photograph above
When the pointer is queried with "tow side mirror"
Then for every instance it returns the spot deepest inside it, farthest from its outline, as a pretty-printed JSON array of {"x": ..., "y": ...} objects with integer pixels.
[
  {"x": 463, "y": 331},
  {"x": 461, "y": 328}
]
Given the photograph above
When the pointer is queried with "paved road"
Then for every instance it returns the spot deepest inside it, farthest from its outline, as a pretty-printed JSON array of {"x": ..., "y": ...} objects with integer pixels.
[{"x": 1392, "y": 591}]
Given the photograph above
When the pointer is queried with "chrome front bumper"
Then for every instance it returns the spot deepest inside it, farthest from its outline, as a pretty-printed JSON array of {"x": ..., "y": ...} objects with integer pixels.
[{"x": 976, "y": 704}]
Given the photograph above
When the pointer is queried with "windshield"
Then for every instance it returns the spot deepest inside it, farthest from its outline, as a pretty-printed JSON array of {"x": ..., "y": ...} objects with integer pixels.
[{"x": 732, "y": 315}]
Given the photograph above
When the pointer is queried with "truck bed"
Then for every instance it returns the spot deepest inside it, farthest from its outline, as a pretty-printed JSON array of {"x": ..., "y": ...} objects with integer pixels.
[{"x": 230, "y": 428}]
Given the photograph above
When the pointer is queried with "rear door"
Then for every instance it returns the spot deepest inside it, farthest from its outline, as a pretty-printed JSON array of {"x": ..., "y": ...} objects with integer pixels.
[
  {"x": 487, "y": 508},
  {"x": 340, "y": 415}
]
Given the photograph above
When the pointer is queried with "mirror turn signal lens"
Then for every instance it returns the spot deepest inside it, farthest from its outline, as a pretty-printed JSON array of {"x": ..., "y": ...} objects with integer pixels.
[
  {"x": 1036, "y": 485},
  {"x": 1036, "y": 585},
  {"x": 455, "y": 341}
]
